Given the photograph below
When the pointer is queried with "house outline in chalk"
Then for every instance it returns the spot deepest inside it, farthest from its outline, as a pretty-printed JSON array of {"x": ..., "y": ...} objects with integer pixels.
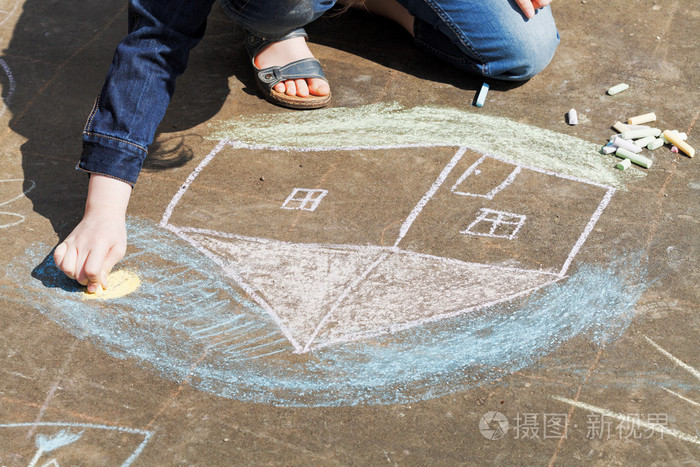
[{"x": 323, "y": 293}]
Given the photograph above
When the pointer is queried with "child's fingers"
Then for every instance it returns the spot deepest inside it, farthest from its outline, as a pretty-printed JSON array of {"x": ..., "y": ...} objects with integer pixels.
[
  {"x": 91, "y": 272},
  {"x": 59, "y": 252},
  {"x": 115, "y": 254},
  {"x": 68, "y": 262},
  {"x": 80, "y": 262}
]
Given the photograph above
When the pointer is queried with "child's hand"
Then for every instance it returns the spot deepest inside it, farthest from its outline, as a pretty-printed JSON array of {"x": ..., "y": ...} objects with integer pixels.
[
  {"x": 99, "y": 241},
  {"x": 529, "y": 6},
  {"x": 92, "y": 249}
]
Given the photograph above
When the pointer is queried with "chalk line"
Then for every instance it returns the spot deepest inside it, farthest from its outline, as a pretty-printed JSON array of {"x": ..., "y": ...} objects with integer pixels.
[
  {"x": 349, "y": 246},
  {"x": 147, "y": 435},
  {"x": 12, "y": 224},
  {"x": 43, "y": 408},
  {"x": 675, "y": 360},
  {"x": 21, "y": 195},
  {"x": 586, "y": 232},
  {"x": 342, "y": 297},
  {"x": 9, "y": 13},
  {"x": 239, "y": 280},
  {"x": 380, "y": 147},
  {"x": 500, "y": 220},
  {"x": 24, "y": 193},
  {"x": 491, "y": 193},
  {"x": 176, "y": 199},
  {"x": 52, "y": 391},
  {"x": 631, "y": 420},
  {"x": 393, "y": 124},
  {"x": 411, "y": 324},
  {"x": 269, "y": 241},
  {"x": 681, "y": 397},
  {"x": 431, "y": 192}
]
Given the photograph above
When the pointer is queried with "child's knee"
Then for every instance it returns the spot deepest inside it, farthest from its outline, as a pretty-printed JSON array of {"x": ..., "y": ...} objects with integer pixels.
[{"x": 526, "y": 53}]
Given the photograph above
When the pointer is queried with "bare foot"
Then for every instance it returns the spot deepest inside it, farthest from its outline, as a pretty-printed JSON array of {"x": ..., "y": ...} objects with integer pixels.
[{"x": 284, "y": 52}]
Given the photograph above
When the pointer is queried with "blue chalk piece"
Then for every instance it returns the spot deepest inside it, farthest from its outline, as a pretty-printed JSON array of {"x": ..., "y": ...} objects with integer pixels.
[{"x": 482, "y": 95}]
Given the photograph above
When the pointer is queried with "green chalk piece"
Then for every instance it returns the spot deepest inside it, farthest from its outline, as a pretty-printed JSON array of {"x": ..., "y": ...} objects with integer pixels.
[
  {"x": 656, "y": 144},
  {"x": 642, "y": 133},
  {"x": 636, "y": 158},
  {"x": 618, "y": 88},
  {"x": 644, "y": 141},
  {"x": 624, "y": 164}
]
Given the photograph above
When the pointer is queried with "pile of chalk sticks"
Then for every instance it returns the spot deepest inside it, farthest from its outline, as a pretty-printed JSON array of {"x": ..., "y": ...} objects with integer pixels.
[{"x": 634, "y": 135}]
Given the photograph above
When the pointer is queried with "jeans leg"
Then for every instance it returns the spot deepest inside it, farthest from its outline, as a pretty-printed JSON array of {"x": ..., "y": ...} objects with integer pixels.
[
  {"x": 273, "y": 19},
  {"x": 489, "y": 37},
  {"x": 140, "y": 83}
]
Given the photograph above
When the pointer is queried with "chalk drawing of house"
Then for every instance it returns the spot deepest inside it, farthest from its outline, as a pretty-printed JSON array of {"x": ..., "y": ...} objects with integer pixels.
[{"x": 343, "y": 244}]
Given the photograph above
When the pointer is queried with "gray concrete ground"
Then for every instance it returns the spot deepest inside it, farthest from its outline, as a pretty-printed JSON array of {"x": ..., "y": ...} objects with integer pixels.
[{"x": 459, "y": 346}]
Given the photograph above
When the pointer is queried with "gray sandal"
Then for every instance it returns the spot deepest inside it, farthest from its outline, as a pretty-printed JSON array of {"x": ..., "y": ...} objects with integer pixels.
[{"x": 267, "y": 78}]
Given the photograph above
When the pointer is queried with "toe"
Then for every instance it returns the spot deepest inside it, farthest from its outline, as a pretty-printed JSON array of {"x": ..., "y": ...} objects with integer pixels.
[
  {"x": 302, "y": 88},
  {"x": 291, "y": 88},
  {"x": 319, "y": 87},
  {"x": 280, "y": 87}
]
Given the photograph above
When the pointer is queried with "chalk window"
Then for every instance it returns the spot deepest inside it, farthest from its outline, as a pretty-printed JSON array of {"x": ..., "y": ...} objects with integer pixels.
[
  {"x": 304, "y": 199},
  {"x": 478, "y": 185},
  {"x": 499, "y": 224}
]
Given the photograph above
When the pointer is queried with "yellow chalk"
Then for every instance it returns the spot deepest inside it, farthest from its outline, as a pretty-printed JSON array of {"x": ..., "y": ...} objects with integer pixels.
[
  {"x": 639, "y": 119},
  {"x": 675, "y": 138},
  {"x": 120, "y": 283}
]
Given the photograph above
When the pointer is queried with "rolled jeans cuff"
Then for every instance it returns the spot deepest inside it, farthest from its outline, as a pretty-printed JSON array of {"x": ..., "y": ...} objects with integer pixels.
[{"x": 111, "y": 157}]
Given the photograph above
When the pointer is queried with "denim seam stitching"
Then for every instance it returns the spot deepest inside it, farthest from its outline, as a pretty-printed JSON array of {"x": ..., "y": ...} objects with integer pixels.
[
  {"x": 91, "y": 133},
  {"x": 95, "y": 106},
  {"x": 105, "y": 174},
  {"x": 457, "y": 32}
]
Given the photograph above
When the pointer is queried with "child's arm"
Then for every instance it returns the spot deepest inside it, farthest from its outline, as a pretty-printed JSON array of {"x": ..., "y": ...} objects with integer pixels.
[
  {"x": 121, "y": 126},
  {"x": 99, "y": 240}
]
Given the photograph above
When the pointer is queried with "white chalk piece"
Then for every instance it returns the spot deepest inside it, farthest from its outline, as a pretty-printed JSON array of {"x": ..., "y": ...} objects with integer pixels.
[
  {"x": 618, "y": 88},
  {"x": 624, "y": 164},
  {"x": 639, "y": 119},
  {"x": 609, "y": 148},
  {"x": 482, "y": 95},
  {"x": 656, "y": 144},
  {"x": 636, "y": 127},
  {"x": 636, "y": 158},
  {"x": 675, "y": 139},
  {"x": 572, "y": 117},
  {"x": 628, "y": 145},
  {"x": 644, "y": 141},
  {"x": 643, "y": 133}
]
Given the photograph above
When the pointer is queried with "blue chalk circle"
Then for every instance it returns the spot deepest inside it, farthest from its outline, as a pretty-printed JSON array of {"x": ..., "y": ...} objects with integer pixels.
[{"x": 188, "y": 322}]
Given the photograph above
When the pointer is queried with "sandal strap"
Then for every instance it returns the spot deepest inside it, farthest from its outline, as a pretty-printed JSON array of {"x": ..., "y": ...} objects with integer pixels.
[
  {"x": 299, "y": 69},
  {"x": 254, "y": 43}
]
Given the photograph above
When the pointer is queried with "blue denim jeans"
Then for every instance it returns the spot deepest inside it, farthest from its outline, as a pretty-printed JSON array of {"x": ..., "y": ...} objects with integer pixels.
[{"x": 488, "y": 37}]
